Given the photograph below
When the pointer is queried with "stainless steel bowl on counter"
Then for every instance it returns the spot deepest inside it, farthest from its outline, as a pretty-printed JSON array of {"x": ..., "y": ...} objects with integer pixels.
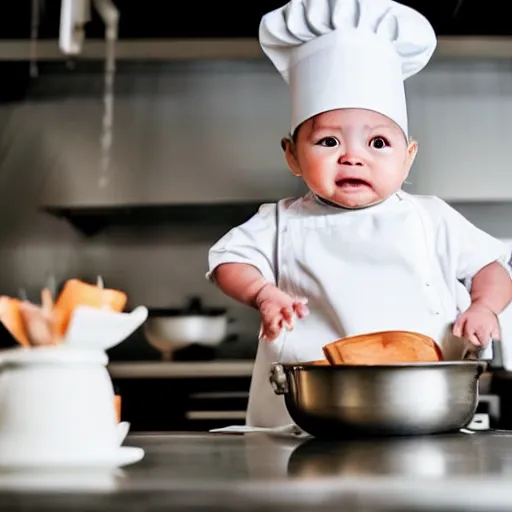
[{"x": 394, "y": 400}]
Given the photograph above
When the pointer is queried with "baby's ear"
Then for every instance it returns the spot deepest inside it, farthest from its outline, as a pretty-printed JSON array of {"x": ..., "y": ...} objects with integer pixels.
[
  {"x": 289, "y": 153},
  {"x": 412, "y": 151}
]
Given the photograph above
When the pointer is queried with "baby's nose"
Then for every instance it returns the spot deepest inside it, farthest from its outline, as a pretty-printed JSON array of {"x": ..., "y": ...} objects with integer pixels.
[{"x": 350, "y": 158}]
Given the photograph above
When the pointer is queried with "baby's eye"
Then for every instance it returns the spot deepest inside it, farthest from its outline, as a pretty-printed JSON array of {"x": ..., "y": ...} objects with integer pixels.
[
  {"x": 379, "y": 143},
  {"x": 328, "y": 142}
]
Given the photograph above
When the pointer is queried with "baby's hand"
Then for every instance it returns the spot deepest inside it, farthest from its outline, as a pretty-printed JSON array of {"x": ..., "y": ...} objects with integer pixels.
[
  {"x": 478, "y": 324},
  {"x": 278, "y": 310}
]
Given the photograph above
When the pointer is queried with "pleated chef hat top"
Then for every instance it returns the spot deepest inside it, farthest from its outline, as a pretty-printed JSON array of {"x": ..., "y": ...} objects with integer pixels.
[{"x": 347, "y": 54}]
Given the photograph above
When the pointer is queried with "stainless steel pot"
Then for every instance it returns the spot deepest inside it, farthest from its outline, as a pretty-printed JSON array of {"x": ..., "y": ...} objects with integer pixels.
[
  {"x": 169, "y": 330},
  {"x": 402, "y": 399}
]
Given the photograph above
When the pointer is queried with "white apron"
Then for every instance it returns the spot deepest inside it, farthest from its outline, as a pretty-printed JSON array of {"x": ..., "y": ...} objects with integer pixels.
[{"x": 362, "y": 271}]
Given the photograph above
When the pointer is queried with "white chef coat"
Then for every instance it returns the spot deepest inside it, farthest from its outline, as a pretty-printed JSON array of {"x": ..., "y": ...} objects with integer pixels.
[{"x": 398, "y": 265}]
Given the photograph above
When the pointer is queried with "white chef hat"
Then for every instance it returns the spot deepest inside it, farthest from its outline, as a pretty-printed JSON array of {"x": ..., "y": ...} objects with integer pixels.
[{"x": 347, "y": 54}]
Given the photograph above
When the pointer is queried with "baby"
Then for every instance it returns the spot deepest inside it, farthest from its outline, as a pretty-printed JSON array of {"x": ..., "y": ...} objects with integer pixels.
[
  {"x": 357, "y": 254},
  {"x": 352, "y": 159}
]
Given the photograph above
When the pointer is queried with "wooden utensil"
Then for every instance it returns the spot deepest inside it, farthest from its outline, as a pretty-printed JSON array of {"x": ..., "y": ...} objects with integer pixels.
[
  {"x": 77, "y": 293},
  {"x": 381, "y": 348},
  {"x": 39, "y": 322},
  {"x": 11, "y": 317}
]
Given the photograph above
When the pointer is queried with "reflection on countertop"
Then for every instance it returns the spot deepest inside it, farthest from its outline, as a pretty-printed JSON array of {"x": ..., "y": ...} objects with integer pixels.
[{"x": 259, "y": 472}]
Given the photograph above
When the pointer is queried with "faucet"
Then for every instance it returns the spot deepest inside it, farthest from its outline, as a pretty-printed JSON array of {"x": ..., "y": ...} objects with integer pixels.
[{"x": 75, "y": 14}]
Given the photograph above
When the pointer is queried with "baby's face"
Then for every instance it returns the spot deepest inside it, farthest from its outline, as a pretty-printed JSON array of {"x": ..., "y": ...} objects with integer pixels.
[{"x": 352, "y": 157}]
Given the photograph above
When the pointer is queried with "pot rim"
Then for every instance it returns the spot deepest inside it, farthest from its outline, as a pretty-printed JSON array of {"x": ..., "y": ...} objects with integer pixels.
[{"x": 434, "y": 364}]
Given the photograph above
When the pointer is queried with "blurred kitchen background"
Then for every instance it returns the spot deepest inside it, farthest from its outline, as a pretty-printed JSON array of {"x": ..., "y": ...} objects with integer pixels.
[{"x": 198, "y": 115}]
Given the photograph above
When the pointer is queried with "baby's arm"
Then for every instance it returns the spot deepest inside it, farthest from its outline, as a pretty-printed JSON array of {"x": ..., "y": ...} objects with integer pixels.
[
  {"x": 492, "y": 288},
  {"x": 240, "y": 281},
  {"x": 491, "y": 293},
  {"x": 481, "y": 259},
  {"x": 245, "y": 283},
  {"x": 242, "y": 265}
]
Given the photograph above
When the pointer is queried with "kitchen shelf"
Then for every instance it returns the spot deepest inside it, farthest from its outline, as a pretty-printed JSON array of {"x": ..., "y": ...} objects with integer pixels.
[
  {"x": 91, "y": 220},
  {"x": 175, "y": 370},
  {"x": 244, "y": 48}
]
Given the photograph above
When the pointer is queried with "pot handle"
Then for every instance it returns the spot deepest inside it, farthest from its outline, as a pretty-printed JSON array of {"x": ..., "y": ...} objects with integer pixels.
[
  {"x": 278, "y": 379},
  {"x": 493, "y": 358},
  {"x": 496, "y": 358}
]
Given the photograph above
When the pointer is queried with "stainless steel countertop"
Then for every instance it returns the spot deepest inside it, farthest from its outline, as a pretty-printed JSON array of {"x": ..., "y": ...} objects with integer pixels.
[{"x": 257, "y": 472}]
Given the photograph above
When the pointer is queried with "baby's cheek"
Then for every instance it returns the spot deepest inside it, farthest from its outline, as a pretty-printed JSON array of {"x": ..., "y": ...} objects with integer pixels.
[
  {"x": 319, "y": 177},
  {"x": 386, "y": 184}
]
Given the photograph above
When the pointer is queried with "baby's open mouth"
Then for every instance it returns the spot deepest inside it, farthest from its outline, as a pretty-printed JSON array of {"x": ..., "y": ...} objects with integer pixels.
[{"x": 352, "y": 182}]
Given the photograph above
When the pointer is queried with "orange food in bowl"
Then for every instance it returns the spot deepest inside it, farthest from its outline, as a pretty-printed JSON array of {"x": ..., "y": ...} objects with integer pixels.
[
  {"x": 382, "y": 348},
  {"x": 10, "y": 316},
  {"x": 117, "y": 406},
  {"x": 77, "y": 293}
]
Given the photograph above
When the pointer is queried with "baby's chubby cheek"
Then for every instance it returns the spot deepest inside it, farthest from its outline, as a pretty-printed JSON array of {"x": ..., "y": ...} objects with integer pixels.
[{"x": 320, "y": 180}]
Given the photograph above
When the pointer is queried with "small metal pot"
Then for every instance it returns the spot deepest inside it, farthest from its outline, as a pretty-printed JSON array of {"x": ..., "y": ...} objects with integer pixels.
[
  {"x": 401, "y": 399},
  {"x": 169, "y": 330}
]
